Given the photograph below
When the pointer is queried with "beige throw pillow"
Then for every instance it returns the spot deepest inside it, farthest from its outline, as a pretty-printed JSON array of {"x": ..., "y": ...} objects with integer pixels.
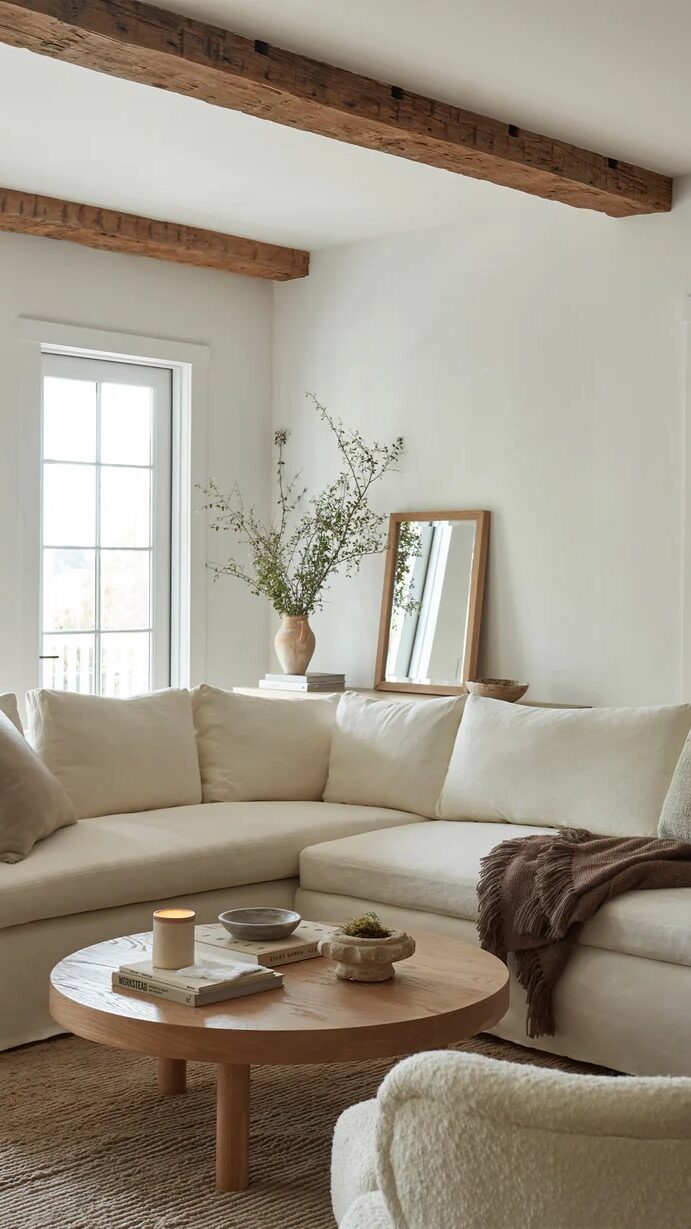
[
  {"x": 604, "y": 769},
  {"x": 675, "y": 819},
  {"x": 8, "y": 706},
  {"x": 253, "y": 749},
  {"x": 115, "y": 756},
  {"x": 32, "y": 803},
  {"x": 392, "y": 753}
]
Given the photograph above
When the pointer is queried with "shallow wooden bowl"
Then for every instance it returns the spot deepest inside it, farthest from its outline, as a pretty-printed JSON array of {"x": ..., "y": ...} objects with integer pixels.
[{"x": 498, "y": 689}]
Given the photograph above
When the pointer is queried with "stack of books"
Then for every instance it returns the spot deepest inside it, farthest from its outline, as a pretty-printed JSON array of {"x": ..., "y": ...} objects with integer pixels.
[
  {"x": 303, "y": 682},
  {"x": 206, "y": 981},
  {"x": 303, "y": 944}
]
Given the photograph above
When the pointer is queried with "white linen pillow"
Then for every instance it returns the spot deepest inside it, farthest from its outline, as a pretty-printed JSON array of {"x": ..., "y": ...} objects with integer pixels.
[
  {"x": 253, "y": 749},
  {"x": 392, "y": 753},
  {"x": 115, "y": 756},
  {"x": 604, "y": 769},
  {"x": 8, "y": 706},
  {"x": 32, "y": 803}
]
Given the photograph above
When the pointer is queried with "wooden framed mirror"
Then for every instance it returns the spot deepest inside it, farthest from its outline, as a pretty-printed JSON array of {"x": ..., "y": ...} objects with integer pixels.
[{"x": 429, "y": 631}]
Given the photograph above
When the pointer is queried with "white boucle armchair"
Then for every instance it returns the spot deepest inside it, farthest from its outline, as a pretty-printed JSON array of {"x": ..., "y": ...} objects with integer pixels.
[{"x": 457, "y": 1141}]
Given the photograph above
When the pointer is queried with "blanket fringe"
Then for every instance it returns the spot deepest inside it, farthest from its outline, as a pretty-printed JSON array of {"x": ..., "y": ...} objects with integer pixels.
[
  {"x": 540, "y": 1011},
  {"x": 490, "y": 922}
]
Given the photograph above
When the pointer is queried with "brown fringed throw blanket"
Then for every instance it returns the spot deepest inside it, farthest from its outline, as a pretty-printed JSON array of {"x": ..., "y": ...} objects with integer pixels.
[{"x": 536, "y": 892}]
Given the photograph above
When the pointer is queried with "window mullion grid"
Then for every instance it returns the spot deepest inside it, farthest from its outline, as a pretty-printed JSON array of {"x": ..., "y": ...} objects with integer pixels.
[{"x": 97, "y": 551}]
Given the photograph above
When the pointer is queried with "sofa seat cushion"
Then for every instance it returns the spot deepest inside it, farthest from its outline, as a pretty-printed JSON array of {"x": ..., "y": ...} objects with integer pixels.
[
  {"x": 435, "y": 867},
  {"x": 120, "y": 859}
]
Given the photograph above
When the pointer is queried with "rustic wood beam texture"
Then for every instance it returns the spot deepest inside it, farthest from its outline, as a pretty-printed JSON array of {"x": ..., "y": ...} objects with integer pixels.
[
  {"x": 126, "y": 232},
  {"x": 162, "y": 49}
]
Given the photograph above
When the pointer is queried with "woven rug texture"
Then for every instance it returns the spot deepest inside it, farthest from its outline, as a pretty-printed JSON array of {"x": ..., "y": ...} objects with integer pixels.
[{"x": 87, "y": 1142}]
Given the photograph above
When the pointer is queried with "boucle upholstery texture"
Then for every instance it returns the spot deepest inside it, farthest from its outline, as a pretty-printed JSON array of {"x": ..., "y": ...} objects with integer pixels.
[
  {"x": 368, "y": 1212},
  {"x": 465, "y": 1142},
  {"x": 353, "y": 1156}
]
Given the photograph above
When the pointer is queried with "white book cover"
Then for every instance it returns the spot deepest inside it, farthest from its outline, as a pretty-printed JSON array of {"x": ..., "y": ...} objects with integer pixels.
[
  {"x": 205, "y": 974},
  {"x": 301, "y": 945},
  {"x": 191, "y": 998}
]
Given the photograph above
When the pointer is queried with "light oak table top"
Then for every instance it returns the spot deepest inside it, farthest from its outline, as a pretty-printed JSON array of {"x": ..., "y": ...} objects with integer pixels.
[{"x": 448, "y": 991}]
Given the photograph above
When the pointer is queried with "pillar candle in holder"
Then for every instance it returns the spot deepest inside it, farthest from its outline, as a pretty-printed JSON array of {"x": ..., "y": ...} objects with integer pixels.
[{"x": 173, "y": 938}]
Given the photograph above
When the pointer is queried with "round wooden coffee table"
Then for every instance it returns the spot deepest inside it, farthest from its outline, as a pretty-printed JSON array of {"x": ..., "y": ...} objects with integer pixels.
[{"x": 448, "y": 991}]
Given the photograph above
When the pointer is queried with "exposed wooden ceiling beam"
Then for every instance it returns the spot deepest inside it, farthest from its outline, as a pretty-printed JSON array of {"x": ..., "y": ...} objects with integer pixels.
[
  {"x": 126, "y": 232},
  {"x": 159, "y": 48}
]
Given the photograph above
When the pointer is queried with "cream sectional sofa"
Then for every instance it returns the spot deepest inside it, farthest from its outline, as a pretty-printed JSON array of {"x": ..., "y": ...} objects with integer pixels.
[{"x": 333, "y": 805}]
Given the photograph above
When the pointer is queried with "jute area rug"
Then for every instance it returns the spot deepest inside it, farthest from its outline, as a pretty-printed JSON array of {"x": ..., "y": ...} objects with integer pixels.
[{"x": 86, "y": 1142}]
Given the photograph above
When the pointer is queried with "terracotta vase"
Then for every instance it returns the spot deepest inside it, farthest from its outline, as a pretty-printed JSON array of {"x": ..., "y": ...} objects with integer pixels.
[{"x": 294, "y": 643}]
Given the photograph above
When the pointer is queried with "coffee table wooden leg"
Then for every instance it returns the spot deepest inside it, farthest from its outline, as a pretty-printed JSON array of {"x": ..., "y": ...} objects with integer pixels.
[
  {"x": 232, "y": 1127},
  {"x": 172, "y": 1076}
]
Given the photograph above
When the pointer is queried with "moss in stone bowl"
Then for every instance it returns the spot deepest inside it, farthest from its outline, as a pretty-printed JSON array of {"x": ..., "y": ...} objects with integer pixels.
[{"x": 366, "y": 927}]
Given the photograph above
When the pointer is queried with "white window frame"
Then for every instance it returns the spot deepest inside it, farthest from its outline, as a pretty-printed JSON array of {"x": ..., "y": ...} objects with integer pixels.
[
  {"x": 188, "y": 364},
  {"x": 101, "y": 371}
]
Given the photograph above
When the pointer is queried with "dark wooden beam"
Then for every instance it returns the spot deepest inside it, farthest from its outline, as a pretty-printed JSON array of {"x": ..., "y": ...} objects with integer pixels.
[
  {"x": 126, "y": 232},
  {"x": 159, "y": 48}
]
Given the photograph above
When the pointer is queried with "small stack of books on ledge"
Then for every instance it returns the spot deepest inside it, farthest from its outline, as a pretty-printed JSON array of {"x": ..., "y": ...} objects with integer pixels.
[
  {"x": 303, "y": 682},
  {"x": 206, "y": 981}
]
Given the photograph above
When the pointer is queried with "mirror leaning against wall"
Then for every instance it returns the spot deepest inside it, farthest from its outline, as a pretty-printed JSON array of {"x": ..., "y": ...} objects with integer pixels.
[{"x": 429, "y": 631}]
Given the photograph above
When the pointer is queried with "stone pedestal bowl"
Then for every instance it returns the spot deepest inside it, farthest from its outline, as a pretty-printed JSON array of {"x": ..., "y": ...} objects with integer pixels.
[{"x": 367, "y": 960}]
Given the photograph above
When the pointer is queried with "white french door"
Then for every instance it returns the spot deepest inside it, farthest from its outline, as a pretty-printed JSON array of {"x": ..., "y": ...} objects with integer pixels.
[{"x": 106, "y": 525}]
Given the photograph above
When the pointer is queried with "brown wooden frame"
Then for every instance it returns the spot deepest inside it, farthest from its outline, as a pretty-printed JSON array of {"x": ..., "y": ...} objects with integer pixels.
[{"x": 477, "y": 586}]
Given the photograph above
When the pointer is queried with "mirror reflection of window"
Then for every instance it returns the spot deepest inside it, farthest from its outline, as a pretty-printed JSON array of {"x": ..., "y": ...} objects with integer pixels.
[{"x": 429, "y": 614}]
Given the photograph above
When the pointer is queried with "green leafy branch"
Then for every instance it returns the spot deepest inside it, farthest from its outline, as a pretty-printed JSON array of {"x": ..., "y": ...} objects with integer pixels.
[{"x": 293, "y": 557}]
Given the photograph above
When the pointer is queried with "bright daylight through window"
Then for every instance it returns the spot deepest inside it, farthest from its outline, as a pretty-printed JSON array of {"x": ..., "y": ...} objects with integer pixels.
[{"x": 106, "y": 526}]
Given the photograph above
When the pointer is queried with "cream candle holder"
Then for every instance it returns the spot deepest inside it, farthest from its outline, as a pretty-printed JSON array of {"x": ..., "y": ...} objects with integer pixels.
[{"x": 173, "y": 938}]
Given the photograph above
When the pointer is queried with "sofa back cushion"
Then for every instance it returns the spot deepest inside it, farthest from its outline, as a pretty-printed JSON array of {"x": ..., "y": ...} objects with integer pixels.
[
  {"x": 604, "y": 769},
  {"x": 392, "y": 753},
  {"x": 253, "y": 749},
  {"x": 115, "y": 756},
  {"x": 8, "y": 706},
  {"x": 32, "y": 803}
]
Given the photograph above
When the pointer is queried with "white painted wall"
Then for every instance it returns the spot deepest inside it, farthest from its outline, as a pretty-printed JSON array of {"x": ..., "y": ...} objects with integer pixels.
[
  {"x": 533, "y": 360},
  {"x": 60, "y": 281}
]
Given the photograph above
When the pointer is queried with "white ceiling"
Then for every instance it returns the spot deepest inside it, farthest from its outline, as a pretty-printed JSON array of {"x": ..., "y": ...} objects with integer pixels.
[{"x": 612, "y": 75}]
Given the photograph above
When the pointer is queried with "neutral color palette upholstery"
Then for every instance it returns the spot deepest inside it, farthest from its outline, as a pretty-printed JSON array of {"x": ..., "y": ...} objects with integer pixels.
[
  {"x": 604, "y": 769},
  {"x": 118, "y": 756},
  {"x": 117, "y": 859},
  {"x": 466, "y": 1142}
]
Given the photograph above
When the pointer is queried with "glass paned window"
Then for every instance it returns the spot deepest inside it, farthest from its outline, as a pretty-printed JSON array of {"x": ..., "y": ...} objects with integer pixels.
[{"x": 106, "y": 526}]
